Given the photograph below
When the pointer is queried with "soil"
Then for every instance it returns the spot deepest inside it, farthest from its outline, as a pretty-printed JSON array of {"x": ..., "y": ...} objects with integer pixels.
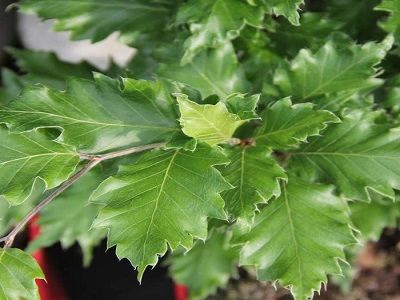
[{"x": 377, "y": 277}]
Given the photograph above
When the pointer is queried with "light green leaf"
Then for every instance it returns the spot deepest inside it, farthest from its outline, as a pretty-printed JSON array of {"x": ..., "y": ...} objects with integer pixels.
[
  {"x": 243, "y": 105},
  {"x": 212, "y": 22},
  {"x": 287, "y": 8},
  {"x": 97, "y": 19},
  {"x": 255, "y": 176},
  {"x": 298, "y": 238},
  {"x": 358, "y": 155},
  {"x": 30, "y": 156},
  {"x": 332, "y": 69},
  {"x": 166, "y": 197},
  {"x": 207, "y": 266},
  {"x": 18, "y": 272},
  {"x": 212, "y": 124},
  {"x": 392, "y": 23},
  {"x": 285, "y": 125},
  {"x": 212, "y": 72},
  {"x": 73, "y": 226},
  {"x": 372, "y": 218},
  {"x": 97, "y": 116}
]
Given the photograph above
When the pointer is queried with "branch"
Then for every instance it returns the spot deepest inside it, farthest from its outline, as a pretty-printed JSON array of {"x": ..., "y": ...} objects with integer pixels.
[{"x": 94, "y": 160}]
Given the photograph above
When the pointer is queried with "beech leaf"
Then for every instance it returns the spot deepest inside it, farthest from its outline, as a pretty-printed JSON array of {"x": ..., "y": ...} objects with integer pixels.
[
  {"x": 298, "y": 238},
  {"x": 212, "y": 124},
  {"x": 166, "y": 197}
]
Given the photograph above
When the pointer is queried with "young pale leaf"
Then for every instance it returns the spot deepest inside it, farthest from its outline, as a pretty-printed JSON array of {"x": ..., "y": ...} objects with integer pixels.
[
  {"x": 213, "y": 72},
  {"x": 96, "y": 19},
  {"x": 255, "y": 176},
  {"x": 214, "y": 21},
  {"x": 212, "y": 124},
  {"x": 28, "y": 156},
  {"x": 18, "y": 272},
  {"x": 243, "y": 105},
  {"x": 298, "y": 238},
  {"x": 68, "y": 219},
  {"x": 357, "y": 155},
  {"x": 165, "y": 197},
  {"x": 285, "y": 125},
  {"x": 332, "y": 69},
  {"x": 286, "y": 8},
  {"x": 97, "y": 116},
  {"x": 206, "y": 267},
  {"x": 371, "y": 218},
  {"x": 392, "y": 23}
]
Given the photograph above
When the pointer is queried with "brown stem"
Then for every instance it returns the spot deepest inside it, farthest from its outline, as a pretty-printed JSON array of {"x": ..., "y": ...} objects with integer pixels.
[{"x": 94, "y": 160}]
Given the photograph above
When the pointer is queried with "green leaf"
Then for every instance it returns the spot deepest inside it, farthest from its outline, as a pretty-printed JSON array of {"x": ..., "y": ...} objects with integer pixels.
[
  {"x": 392, "y": 23},
  {"x": 178, "y": 191},
  {"x": 212, "y": 72},
  {"x": 332, "y": 69},
  {"x": 97, "y": 19},
  {"x": 313, "y": 32},
  {"x": 214, "y": 21},
  {"x": 243, "y": 105},
  {"x": 286, "y": 8},
  {"x": 358, "y": 18},
  {"x": 285, "y": 125},
  {"x": 298, "y": 238},
  {"x": 10, "y": 215},
  {"x": 372, "y": 218},
  {"x": 18, "y": 272},
  {"x": 73, "y": 226},
  {"x": 207, "y": 266},
  {"x": 46, "y": 68},
  {"x": 358, "y": 155},
  {"x": 97, "y": 116},
  {"x": 255, "y": 176},
  {"x": 212, "y": 124},
  {"x": 28, "y": 157}
]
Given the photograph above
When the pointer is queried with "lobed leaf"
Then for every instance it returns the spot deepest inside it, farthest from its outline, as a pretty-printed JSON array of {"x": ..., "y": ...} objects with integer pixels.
[
  {"x": 288, "y": 8},
  {"x": 30, "y": 156},
  {"x": 212, "y": 72},
  {"x": 332, "y": 69},
  {"x": 212, "y": 124},
  {"x": 255, "y": 176},
  {"x": 97, "y": 116},
  {"x": 165, "y": 198},
  {"x": 285, "y": 125},
  {"x": 214, "y": 21},
  {"x": 97, "y": 19},
  {"x": 358, "y": 155},
  {"x": 18, "y": 272},
  {"x": 298, "y": 238},
  {"x": 392, "y": 23}
]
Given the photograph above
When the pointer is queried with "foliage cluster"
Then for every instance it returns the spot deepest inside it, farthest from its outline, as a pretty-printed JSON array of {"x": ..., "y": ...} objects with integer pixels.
[{"x": 262, "y": 133}]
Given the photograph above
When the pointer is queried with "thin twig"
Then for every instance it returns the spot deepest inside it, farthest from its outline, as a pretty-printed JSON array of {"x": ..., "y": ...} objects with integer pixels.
[{"x": 94, "y": 160}]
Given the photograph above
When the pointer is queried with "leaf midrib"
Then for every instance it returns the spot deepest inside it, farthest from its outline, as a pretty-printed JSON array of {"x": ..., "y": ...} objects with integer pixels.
[
  {"x": 91, "y": 122},
  {"x": 156, "y": 204},
  {"x": 293, "y": 234}
]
